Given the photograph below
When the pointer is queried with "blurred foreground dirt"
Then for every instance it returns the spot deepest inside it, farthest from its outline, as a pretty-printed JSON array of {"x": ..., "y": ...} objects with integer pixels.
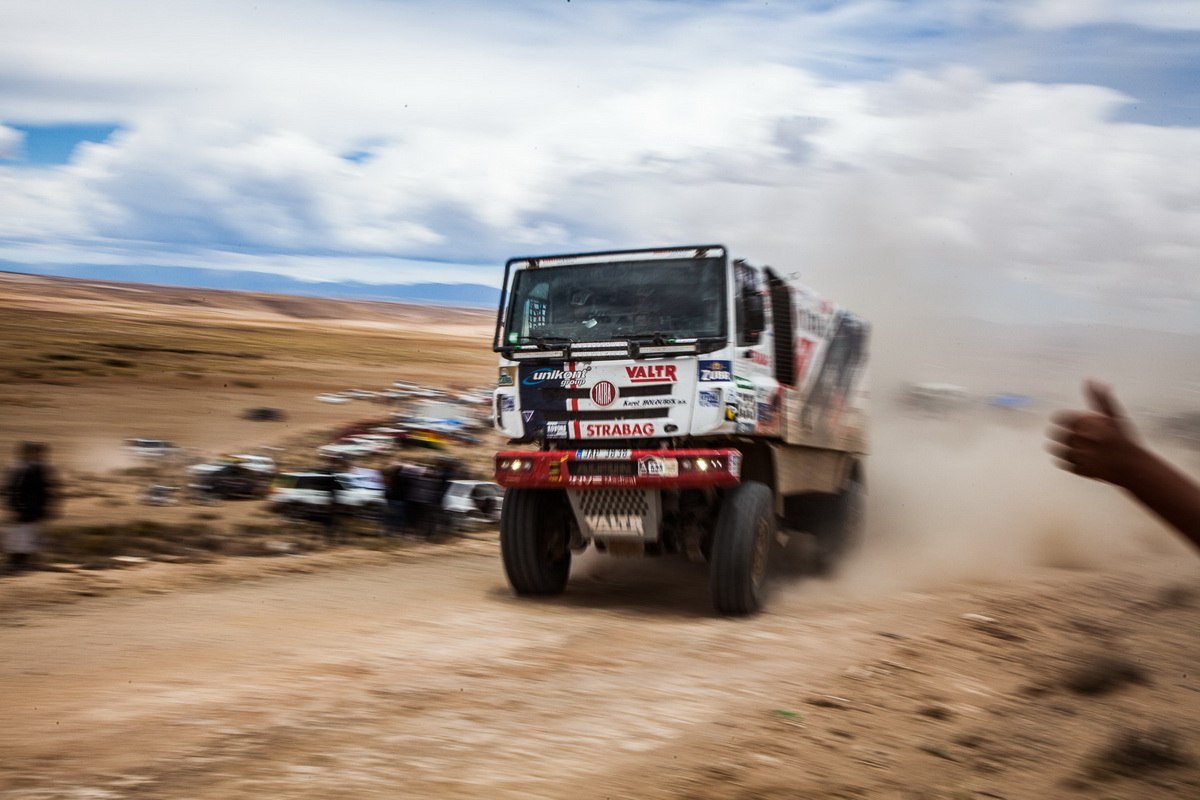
[
  {"x": 1007, "y": 632},
  {"x": 414, "y": 673}
]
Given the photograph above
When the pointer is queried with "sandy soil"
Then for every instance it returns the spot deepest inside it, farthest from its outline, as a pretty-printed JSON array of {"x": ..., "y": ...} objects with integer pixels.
[{"x": 1006, "y": 631}]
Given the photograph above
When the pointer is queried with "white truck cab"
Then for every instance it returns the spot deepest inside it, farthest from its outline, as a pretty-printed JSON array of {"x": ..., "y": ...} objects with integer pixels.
[{"x": 678, "y": 401}]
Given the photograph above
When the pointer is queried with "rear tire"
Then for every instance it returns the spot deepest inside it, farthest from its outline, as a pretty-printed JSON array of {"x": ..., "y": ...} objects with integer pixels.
[
  {"x": 535, "y": 542},
  {"x": 740, "y": 548}
]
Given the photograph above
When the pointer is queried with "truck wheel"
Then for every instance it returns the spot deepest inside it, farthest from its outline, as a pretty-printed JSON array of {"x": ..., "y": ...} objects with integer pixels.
[
  {"x": 837, "y": 524},
  {"x": 741, "y": 543},
  {"x": 534, "y": 542}
]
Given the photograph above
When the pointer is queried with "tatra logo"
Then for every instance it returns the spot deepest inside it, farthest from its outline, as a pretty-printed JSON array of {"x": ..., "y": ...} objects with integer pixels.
[
  {"x": 651, "y": 373},
  {"x": 565, "y": 377},
  {"x": 603, "y": 393},
  {"x": 619, "y": 429},
  {"x": 715, "y": 371}
]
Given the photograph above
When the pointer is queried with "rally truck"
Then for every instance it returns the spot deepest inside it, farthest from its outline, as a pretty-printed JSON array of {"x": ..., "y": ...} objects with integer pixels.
[{"x": 676, "y": 401}]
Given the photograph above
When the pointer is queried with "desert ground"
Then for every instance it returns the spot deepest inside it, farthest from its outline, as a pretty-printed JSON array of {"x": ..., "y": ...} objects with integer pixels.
[{"x": 1005, "y": 631}]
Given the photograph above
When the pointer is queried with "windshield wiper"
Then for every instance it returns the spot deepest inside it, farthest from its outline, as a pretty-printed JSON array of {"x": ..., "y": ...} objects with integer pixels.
[
  {"x": 655, "y": 338},
  {"x": 547, "y": 342}
]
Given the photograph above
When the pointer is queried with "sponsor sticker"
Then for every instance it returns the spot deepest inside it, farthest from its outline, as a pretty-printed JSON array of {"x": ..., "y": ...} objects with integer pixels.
[
  {"x": 555, "y": 376},
  {"x": 652, "y": 373},
  {"x": 601, "y": 430},
  {"x": 652, "y": 402},
  {"x": 715, "y": 371},
  {"x": 709, "y": 398},
  {"x": 556, "y": 429},
  {"x": 655, "y": 466},
  {"x": 508, "y": 376},
  {"x": 604, "y": 393},
  {"x": 527, "y": 415},
  {"x": 748, "y": 406},
  {"x": 603, "y": 455},
  {"x": 508, "y": 402},
  {"x": 743, "y": 383}
]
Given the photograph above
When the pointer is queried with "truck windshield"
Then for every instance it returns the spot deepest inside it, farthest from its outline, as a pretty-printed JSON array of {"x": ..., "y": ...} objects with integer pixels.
[{"x": 671, "y": 299}]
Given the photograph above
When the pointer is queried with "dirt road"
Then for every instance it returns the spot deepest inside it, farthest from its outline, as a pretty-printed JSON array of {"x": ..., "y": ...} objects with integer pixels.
[{"x": 423, "y": 677}]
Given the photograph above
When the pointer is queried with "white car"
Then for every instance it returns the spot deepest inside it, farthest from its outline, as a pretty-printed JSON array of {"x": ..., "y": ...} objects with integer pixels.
[
  {"x": 473, "y": 501},
  {"x": 307, "y": 494},
  {"x": 261, "y": 464}
]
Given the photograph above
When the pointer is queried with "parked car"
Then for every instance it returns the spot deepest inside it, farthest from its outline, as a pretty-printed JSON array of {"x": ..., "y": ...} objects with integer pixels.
[
  {"x": 306, "y": 494},
  {"x": 473, "y": 501},
  {"x": 264, "y": 465},
  {"x": 226, "y": 481},
  {"x": 150, "y": 448}
]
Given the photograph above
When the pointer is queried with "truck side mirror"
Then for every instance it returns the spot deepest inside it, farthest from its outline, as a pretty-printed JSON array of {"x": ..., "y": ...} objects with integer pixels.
[{"x": 753, "y": 317}]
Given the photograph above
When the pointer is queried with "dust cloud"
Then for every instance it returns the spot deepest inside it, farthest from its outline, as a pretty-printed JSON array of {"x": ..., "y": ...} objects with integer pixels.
[{"x": 977, "y": 499}]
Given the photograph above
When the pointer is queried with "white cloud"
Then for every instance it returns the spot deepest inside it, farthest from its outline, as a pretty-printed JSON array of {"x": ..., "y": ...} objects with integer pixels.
[
  {"x": 619, "y": 124},
  {"x": 1162, "y": 14},
  {"x": 11, "y": 140}
]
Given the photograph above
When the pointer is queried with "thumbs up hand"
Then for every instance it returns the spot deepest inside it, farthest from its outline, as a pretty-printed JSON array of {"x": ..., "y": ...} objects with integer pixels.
[{"x": 1099, "y": 443}]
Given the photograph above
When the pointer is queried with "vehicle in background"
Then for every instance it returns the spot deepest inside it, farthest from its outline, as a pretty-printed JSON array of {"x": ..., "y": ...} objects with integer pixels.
[
  {"x": 471, "y": 502},
  {"x": 676, "y": 401},
  {"x": 150, "y": 448},
  {"x": 227, "y": 480},
  {"x": 306, "y": 494}
]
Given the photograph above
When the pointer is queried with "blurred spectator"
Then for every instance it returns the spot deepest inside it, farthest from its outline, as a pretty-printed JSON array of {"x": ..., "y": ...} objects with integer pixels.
[
  {"x": 445, "y": 472},
  {"x": 32, "y": 497},
  {"x": 331, "y": 515},
  {"x": 425, "y": 498},
  {"x": 396, "y": 492},
  {"x": 1102, "y": 443}
]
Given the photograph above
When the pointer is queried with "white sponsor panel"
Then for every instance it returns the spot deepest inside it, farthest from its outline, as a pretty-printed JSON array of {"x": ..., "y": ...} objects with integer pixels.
[{"x": 613, "y": 430}]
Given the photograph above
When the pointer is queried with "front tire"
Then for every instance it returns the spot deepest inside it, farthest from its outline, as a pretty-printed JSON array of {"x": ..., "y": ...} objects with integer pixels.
[
  {"x": 535, "y": 542},
  {"x": 741, "y": 544}
]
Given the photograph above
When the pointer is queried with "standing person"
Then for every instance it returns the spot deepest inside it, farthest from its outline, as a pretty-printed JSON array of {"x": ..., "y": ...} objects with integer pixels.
[
  {"x": 447, "y": 471},
  {"x": 425, "y": 499},
  {"x": 395, "y": 494},
  {"x": 410, "y": 497},
  {"x": 1102, "y": 443},
  {"x": 332, "y": 514},
  {"x": 31, "y": 494}
]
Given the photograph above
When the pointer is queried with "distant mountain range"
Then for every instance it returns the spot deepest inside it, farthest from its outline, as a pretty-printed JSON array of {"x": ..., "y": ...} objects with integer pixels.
[{"x": 447, "y": 294}]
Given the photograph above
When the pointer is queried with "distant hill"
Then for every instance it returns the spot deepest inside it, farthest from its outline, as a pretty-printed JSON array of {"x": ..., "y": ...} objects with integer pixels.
[{"x": 473, "y": 295}]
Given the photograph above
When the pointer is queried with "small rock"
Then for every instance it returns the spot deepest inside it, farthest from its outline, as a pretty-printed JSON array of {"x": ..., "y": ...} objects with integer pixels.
[
  {"x": 935, "y": 711},
  {"x": 129, "y": 560},
  {"x": 828, "y": 701},
  {"x": 978, "y": 619}
]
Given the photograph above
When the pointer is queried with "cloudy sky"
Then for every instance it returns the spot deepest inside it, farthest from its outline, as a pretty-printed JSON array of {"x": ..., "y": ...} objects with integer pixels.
[{"x": 1020, "y": 159}]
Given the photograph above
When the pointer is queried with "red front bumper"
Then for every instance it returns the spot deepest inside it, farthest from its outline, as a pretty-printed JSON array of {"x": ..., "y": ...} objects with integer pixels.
[{"x": 598, "y": 468}]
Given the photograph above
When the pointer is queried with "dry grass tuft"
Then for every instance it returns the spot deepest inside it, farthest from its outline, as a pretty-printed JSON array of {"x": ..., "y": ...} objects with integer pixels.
[
  {"x": 1131, "y": 753},
  {"x": 1102, "y": 673}
]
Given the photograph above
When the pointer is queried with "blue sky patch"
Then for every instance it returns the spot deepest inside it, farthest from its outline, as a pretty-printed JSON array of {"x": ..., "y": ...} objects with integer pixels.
[{"x": 47, "y": 145}]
